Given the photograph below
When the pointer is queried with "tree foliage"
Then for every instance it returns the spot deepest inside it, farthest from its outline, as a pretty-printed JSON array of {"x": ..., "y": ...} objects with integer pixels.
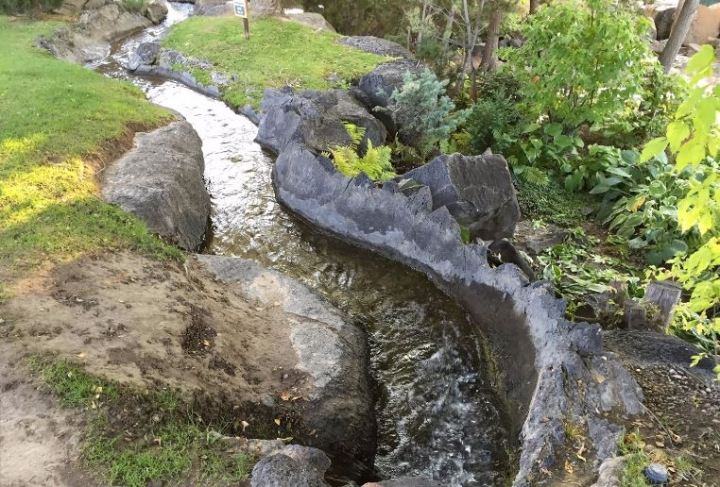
[
  {"x": 583, "y": 61},
  {"x": 693, "y": 137}
]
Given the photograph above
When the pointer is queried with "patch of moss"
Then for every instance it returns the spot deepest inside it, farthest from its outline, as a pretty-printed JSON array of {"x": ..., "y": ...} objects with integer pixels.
[
  {"x": 59, "y": 121},
  {"x": 552, "y": 203},
  {"x": 279, "y": 53}
]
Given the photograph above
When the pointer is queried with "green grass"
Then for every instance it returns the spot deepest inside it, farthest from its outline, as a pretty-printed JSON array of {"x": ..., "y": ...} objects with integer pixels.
[
  {"x": 56, "y": 118},
  {"x": 279, "y": 53},
  {"x": 136, "y": 438}
]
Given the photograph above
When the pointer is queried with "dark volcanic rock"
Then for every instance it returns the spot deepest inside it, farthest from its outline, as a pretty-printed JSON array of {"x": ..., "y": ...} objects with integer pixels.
[
  {"x": 477, "y": 190},
  {"x": 377, "y": 87},
  {"x": 146, "y": 54},
  {"x": 663, "y": 23},
  {"x": 329, "y": 348},
  {"x": 292, "y": 466},
  {"x": 315, "y": 119},
  {"x": 376, "y": 45},
  {"x": 161, "y": 181},
  {"x": 552, "y": 369}
]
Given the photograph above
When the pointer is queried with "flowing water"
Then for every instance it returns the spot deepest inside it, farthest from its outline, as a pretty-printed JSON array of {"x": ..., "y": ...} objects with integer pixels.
[{"x": 438, "y": 415}]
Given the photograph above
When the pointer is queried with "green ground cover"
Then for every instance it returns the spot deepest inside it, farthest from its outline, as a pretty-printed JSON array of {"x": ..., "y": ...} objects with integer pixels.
[
  {"x": 57, "y": 121},
  {"x": 279, "y": 53},
  {"x": 133, "y": 438}
]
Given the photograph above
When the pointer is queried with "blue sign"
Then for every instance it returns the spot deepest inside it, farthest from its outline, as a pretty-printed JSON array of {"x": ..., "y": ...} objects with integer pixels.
[{"x": 240, "y": 7}]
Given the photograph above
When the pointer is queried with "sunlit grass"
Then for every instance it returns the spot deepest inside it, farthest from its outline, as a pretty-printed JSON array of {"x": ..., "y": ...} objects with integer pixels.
[
  {"x": 54, "y": 118},
  {"x": 279, "y": 53}
]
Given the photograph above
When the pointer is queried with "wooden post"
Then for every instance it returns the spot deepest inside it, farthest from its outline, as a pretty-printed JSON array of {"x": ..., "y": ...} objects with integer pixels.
[{"x": 242, "y": 10}]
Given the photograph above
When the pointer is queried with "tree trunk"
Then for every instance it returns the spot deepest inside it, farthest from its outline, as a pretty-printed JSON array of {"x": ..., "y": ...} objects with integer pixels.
[
  {"x": 679, "y": 32},
  {"x": 534, "y": 5},
  {"x": 489, "y": 57}
]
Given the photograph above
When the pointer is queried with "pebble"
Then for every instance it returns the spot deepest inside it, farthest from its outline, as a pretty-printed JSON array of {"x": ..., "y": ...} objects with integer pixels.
[{"x": 656, "y": 474}]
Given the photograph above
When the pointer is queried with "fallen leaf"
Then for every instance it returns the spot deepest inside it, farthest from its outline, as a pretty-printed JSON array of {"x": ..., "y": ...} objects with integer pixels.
[
  {"x": 277, "y": 421},
  {"x": 285, "y": 396}
]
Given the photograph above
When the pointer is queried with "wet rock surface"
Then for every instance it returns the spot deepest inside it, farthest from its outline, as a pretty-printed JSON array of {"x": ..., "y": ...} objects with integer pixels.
[
  {"x": 329, "y": 349},
  {"x": 161, "y": 182},
  {"x": 293, "y": 465},
  {"x": 477, "y": 190},
  {"x": 315, "y": 119}
]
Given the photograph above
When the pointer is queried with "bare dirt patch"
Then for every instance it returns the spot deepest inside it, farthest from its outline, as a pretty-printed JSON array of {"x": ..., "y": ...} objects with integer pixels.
[{"x": 147, "y": 324}]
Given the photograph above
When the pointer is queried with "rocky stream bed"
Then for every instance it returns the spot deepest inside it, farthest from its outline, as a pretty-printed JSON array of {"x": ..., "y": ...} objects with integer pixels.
[{"x": 405, "y": 353}]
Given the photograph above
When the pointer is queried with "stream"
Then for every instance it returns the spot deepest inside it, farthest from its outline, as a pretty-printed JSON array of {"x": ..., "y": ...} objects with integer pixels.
[{"x": 437, "y": 412}]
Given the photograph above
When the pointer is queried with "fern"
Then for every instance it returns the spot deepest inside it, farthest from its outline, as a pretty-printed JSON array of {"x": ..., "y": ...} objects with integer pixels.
[
  {"x": 357, "y": 134},
  {"x": 376, "y": 163}
]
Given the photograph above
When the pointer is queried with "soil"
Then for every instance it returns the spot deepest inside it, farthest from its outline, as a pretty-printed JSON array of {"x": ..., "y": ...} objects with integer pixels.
[
  {"x": 38, "y": 438},
  {"x": 147, "y": 325},
  {"x": 683, "y": 402}
]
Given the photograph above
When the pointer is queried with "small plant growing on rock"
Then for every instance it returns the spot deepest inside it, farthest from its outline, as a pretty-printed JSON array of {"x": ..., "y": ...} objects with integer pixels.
[
  {"x": 376, "y": 163},
  {"x": 424, "y": 112}
]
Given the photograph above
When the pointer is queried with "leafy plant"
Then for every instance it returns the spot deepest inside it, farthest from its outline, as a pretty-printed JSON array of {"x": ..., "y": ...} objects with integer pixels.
[
  {"x": 375, "y": 163},
  {"x": 424, "y": 112},
  {"x": 693, "y": 138},
  {"x": 640, "y": 202},
  {"x": 576, "y": 267}
]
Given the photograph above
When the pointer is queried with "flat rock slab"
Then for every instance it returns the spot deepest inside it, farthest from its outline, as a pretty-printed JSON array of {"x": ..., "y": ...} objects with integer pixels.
[{"x": 161, "y": 182}]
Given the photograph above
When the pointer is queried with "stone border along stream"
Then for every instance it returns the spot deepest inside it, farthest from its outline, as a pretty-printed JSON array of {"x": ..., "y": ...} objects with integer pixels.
[{"x": 554, "y": 371}]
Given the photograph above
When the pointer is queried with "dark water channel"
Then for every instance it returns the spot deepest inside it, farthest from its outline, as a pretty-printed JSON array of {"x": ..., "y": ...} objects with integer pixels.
[{"x": 437, "y": 413}]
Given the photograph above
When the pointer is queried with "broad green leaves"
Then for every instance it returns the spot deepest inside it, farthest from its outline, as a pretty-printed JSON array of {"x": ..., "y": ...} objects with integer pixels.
[{"x": 694, "y": 139}]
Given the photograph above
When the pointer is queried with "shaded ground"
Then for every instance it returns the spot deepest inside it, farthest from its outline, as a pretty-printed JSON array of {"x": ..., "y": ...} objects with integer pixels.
[{"x": 682, "y": 427}]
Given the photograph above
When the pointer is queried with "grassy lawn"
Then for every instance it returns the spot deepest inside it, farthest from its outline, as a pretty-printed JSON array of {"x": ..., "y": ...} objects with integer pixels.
[
  {"x": 279, "y": 53},
  {"x": 134, "y": 438},
  {"x": 57, "y": 122}
]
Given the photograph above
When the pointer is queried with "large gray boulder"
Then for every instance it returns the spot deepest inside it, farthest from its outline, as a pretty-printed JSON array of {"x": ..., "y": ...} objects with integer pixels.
[
  {"x": 292, "y": 466},
  {"x": 315, "y": 119},
  {"x": 161, "y": 182},
  {"x": 156, "y": 11},
  {"x": 376, "y": 45},
  {"x": 338, "y": 415},
  {"x": 89, "y": 40},
  {"x": 477, "y": 190}
]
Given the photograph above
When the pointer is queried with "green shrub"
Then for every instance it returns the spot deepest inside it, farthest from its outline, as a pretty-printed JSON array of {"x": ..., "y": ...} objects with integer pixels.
[
  {"x": 584, "y": 61},
  {"x": 424, "y": 111},
  {"x": 496, "y": 111},
  {"x": 28, "y": 6}
]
